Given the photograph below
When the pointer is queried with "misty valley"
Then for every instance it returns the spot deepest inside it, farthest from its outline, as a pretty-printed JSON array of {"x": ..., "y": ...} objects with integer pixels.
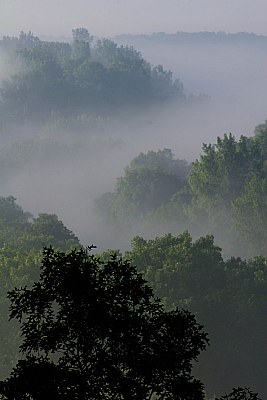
[{"x": 102, "y": 146}]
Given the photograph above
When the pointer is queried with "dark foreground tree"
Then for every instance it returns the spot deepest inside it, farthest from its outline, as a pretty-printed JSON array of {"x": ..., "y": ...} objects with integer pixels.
[
  {"x": 94, "y": 330},
  {"x": 240, "y": 394}
]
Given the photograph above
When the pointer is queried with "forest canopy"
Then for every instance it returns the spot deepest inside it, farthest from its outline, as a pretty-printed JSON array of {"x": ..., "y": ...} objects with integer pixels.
[
  {"x": 223, "y": 193},
  {"x": 228, "y": 297}
]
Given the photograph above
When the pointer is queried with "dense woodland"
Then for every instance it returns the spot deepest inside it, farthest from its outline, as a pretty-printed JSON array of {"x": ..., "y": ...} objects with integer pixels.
[
  {"x": 223, "y": 193},
  {"x": 202, "y": 225},
  {"x": 227, "y": 296}
]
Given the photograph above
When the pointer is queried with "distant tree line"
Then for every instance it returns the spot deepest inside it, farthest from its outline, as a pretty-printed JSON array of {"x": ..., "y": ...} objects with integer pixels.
[{"x": 197, "y": 38}]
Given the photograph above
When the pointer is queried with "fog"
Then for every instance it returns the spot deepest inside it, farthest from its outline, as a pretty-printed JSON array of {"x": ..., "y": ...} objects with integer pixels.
[
  {"x": 9, "y": 66},
  {"x": 62, "y": 163},
  {"x": 67, "y": 180},
  {"x": 111, "y": 17},
  {"x": 232, "y": 74},
  {"x": 64, "y": 172}
]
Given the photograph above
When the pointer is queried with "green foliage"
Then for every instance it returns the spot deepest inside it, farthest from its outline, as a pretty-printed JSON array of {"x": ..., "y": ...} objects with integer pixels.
[
  {"x": 81, "y": 44},
  {"x": 228, "y": 297},
  {"x": 20, "y": 232},
  {"x": 142, "y": 190},
  {"x": 162, "y": 159},
  {"x": 163, "y": 85},
  {"x": 174, "y": 215},
  {"x": 35, "y": 93},
  {"x": 80, "y": 78},
  {"x": 224, "y": 192},
  {"x": 150, "y": 181},
  {"x": 223, "y": 169},
  {"x": 21, "y": 242},
  {"x": 48, "y": 227},
  {"x": 11, "y": 213},
  {"x": 228, "y": 187},
  {"x": 250, "y": 213},
  {"x": 175, "y": 267},
  {"x": 80, "y": 324},
  {"x": 261, "y": 137},
  {"x": 240, "y": 394}
]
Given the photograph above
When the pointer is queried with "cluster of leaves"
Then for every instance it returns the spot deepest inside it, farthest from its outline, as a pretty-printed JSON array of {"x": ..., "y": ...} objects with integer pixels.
[
  {"x": 73, "y": 79},
  {"x": 22, "y": 238}
]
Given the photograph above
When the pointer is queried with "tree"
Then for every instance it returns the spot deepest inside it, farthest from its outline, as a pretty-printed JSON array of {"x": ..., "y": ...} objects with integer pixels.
[
  {"x": 81, "y": 43},
  {"x": 217, "y": 179},
  {"x": 163, "y": 159},
  {"x": 22, "y": 238},
  {"x": 220, "y": 174},
  {"x": 260, "y": 137},
  {"x": 250, "y": 213},
  {"x": 182, "y": 272},
  {"x": 142, "y": 190},
  {"x": 228, "y": 297},
  {"x": 163, "y": 85},
  {"x": 149, "y": 182},
  {"x": 93, "y": 330},
  {"x": 240, "y": 394},
  {"x": 47, "y": 228}
]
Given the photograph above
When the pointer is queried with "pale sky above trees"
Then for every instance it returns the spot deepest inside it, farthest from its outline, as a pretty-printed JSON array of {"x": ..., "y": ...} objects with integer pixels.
[{"x": 111, "y": 17}]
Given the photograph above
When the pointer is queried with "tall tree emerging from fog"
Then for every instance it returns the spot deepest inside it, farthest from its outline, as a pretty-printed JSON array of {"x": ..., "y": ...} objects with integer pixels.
[
  {"x": 81, "y": 44},
  {"x": 93, "y": 330}
]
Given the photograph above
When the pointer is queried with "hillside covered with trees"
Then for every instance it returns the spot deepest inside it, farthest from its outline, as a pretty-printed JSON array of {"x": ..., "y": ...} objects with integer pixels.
[
  {"x": 223, "y": 193},
  {"x": 191, "y": 232},
  {"x": 227, "y": 296}
]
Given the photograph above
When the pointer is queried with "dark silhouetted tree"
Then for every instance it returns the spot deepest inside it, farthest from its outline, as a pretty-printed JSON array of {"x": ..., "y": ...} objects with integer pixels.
[
  {"x": 240, "y": 394},
  {"x": 94, "y": 330}
]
